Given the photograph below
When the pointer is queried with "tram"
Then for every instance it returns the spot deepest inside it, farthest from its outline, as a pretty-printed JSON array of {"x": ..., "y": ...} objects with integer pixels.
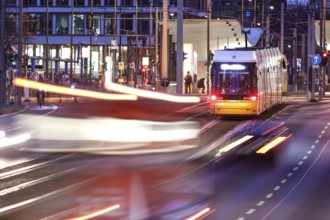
[{"x": 247, "y": 81}]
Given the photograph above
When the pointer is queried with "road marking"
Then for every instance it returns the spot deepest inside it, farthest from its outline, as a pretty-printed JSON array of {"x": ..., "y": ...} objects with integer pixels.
[
  {"x": 260, "y": 203},
  {"x": 277, "y": 188},
  {"x": 250, "y": 211},
  {"x": 269, "y": 195},
  {"x": 299, "y": 181}
]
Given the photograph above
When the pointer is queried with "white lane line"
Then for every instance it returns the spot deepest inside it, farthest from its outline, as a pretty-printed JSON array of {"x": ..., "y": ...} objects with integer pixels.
[
  {"x": 269, "y": 195},
  {"x": 250, "y": 211},
  {"x": 277, "y": 188},
  {"x": 299, "y": 181},
  {"x": 260, "y": 203}
]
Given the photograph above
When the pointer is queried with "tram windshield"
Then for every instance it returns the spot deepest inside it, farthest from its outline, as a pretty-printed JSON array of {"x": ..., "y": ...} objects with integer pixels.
[{"x": 233, "y": 78}]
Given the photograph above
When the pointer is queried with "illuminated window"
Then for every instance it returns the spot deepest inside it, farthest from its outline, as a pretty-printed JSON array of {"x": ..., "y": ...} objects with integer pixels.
[
  {"x": 78, "y": 24},
  {"x": 62, "y": 2},
  {"x": 62, "y": 24}
]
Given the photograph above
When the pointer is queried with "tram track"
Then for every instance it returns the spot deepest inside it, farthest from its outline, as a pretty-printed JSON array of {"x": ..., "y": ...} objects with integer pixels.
[{"x": 22, "y": 187}]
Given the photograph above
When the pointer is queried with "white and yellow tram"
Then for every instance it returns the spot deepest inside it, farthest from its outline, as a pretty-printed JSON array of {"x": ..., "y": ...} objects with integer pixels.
[{"x": 247, "y": 81}]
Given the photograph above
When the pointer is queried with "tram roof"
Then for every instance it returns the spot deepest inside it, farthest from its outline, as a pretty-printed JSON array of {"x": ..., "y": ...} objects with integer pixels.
[{"x": 242, "y": 56}]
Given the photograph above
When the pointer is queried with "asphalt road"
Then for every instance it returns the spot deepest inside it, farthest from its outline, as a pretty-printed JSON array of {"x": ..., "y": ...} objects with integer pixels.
[{"x": 291, "y": 184}]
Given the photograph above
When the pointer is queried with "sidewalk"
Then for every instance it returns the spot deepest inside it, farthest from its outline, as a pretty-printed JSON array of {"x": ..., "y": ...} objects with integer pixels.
[
  {"x": 301, "y": 97},
  {"x": 15, "y": 109},
  {"x": 294, "y": 97}
]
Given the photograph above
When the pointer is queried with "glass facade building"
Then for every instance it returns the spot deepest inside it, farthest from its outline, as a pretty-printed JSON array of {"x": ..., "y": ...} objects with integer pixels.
[{"x": 85, "y": 38}]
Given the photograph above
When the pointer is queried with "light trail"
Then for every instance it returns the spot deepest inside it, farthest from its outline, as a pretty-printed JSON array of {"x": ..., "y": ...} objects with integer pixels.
[
  {"x": 69, "y": 91},
  {"x": 234, "y": 144},
  {"x": 277, "y": 141},
  {"x": 152, "y": 94},
  {"x": 98, "y": 213},
  {"x": 199, "y": 214}
]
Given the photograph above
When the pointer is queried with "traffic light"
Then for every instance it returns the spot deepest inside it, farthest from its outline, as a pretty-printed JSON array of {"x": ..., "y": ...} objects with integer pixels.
[
  {"x": 324, "y": 58},
  {"x": 173, "y": 56},
  {"x": 143, "y": 70},
  {"x": 185, "y": 55},
  {"x": 89, "y": 21}
]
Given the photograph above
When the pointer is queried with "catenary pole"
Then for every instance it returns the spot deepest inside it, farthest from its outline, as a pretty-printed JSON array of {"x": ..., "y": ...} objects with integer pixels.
[
  {"x": 179, "y": 48},
  {"x": 2, "y": 57},
  {"x": 20, "y": 51}
]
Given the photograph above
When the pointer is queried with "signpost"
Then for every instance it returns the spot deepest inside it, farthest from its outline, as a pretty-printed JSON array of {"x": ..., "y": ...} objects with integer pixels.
[{"x": 316, "y": 61}]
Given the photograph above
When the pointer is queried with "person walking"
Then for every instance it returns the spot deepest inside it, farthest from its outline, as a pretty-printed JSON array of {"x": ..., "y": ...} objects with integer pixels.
[
  {"x": 188, "y": 82},
  {"x": 201, "y": 84}
]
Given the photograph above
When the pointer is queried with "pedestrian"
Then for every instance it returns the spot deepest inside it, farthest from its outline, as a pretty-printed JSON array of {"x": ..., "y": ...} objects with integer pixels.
[
  {"x": 201, "y": 84},
  {"x": 188, "y": 82}
]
